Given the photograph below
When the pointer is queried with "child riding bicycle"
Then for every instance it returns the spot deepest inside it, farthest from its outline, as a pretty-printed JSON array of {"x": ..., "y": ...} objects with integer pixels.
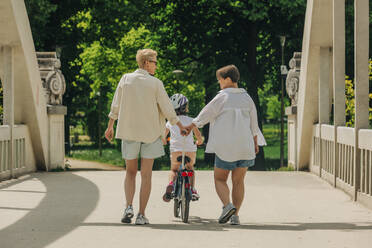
[{"x": 179, "y": 143}]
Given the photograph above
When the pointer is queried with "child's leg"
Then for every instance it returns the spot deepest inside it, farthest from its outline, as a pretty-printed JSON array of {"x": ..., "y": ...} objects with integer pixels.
[
  {"x": 192, "y": 156},
  {"x": 172, "y": 176},
  {"x": 175, "y": 165}
]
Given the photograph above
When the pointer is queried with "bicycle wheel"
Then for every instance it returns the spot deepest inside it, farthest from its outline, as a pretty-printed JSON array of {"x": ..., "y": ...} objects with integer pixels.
[
  {"x": 176, "y": 209},
  {"x": 185, "y": 203}
]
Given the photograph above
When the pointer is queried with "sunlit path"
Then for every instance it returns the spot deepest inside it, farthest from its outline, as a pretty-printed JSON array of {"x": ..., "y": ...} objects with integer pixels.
[{"x": 83, "y": 209}]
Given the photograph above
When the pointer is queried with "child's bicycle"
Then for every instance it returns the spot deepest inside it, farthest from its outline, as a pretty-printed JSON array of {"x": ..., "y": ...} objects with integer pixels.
[{"x": 182, "y": 189}]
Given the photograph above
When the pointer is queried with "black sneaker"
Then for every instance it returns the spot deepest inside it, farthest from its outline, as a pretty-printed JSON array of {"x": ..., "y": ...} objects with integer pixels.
[{"x": 168, "y": 193}]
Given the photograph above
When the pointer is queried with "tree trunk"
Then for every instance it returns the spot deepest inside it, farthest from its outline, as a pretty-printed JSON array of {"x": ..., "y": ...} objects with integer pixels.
[
  {"x": 208, "y": 157},
  {"x": 253, "y": 87}
]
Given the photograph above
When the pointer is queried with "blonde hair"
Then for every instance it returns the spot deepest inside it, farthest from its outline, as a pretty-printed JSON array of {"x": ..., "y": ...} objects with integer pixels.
[{"x": 145, "y": 55}]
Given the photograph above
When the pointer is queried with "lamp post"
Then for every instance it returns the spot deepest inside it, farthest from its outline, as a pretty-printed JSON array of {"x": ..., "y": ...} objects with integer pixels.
[
  {"x": 99, "y": 124},
  {"x": 283, "y": 72},
  {"x": 178, "y": 74}
]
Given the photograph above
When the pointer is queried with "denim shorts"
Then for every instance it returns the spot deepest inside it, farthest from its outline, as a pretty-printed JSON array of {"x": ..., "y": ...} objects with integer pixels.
[
  {"x": 219, "y": 163},
  {"x": 131, "y": 149}
]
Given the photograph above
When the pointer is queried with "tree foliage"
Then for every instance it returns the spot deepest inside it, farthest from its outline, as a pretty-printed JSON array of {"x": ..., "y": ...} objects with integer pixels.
[
  {"x": 98, "y": 40},
  {"x": 350, "y": 99}
]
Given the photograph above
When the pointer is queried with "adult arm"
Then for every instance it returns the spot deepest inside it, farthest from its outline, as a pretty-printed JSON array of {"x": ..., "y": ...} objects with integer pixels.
[
  {"x": 165, "y": 105},
  {"x": 199, "y": 138},
  {"x": 254, "y": 124},
  {"x": 166, "y": 108},
  {"x": 114, "y": 112},
  {"x": 256, "y": 149},
  {"x": 165, "y": 136},
  {"x": 210, "y": 111},
  {"x": 109, "y": 133}
]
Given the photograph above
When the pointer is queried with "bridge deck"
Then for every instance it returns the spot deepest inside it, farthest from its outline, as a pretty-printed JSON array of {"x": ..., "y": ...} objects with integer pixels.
[{"x": 83, "y": 209}]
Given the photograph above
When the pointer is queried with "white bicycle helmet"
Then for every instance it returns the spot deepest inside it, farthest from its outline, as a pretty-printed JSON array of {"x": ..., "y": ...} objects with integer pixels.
[{"x": 179, "y": 101}]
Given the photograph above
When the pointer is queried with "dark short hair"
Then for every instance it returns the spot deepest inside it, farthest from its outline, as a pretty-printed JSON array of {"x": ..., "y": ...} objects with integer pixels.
[
  {"x": 230, "y": 71},
  {"x": 182, "y": 110}
]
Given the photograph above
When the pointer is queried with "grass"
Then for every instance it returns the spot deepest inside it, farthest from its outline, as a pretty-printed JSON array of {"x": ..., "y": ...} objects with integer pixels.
[
  {"x": 272, "y": 150},
  {"x": 111, "y": 155}
]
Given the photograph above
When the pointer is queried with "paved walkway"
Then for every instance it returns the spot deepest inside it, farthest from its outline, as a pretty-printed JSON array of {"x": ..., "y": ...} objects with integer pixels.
[
  {"x": 79, "y": 165},
  {"x": 83, "y": 209}
]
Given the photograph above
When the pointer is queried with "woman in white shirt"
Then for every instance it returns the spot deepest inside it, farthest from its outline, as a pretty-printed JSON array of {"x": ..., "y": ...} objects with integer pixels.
[
  {"x": 179, "y": 143},
  {"x": 233, "y": 137}
]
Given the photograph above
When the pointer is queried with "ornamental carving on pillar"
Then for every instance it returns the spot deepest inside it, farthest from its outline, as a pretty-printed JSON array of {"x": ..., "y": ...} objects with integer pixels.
[
  {"x": 53, "y": 80},
  {"x": 293, "y": 77}
]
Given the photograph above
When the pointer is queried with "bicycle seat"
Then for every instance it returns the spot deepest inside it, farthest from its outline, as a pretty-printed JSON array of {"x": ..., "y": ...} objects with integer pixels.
[{"x": 187, "y": 159}]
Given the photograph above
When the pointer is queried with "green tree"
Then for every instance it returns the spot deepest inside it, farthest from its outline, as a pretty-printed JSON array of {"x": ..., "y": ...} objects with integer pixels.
[
  {"x": 206, "y": 35},
  {"x": 350, "y": 99}
]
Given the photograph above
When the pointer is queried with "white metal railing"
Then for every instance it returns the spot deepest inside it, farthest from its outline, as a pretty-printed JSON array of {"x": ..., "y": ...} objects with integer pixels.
[
  {"x": 316, "y": 145},
  {"x": 4, "y": 149},
  {"x": 365, "y": 145},
  {"x": 327, "y": 148},
  {"x": 342, "y": 174},
  {"x": 7, "y": 169},
  {"x": 346, "y": 154}
]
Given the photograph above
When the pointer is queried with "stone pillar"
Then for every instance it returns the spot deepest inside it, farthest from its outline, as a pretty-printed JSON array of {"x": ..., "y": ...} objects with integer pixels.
[
  {"x": 361, "y": 51},
  {"x": 292, "y": 85},
  {"x": 8, "y": 97},
  {"x": 338, "y": 74},
  {"x": 55, "y": 86},
  {"x": 56, "y": 121}
]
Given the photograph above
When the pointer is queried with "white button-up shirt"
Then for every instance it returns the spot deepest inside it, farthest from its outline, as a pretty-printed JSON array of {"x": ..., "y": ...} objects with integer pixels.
[
  {"x": 141, "y": 105},
  {"x": 233, "y": 122}
]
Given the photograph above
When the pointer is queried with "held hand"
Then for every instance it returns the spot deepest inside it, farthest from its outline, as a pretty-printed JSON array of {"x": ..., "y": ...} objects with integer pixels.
[
  {"x": 109, "y": 134},
  {"x": 199, "y": 142},
  {"x": 189, "y": 128},
  {"x": 183, "y": 130},
  {"x": 256, "y": 148}
]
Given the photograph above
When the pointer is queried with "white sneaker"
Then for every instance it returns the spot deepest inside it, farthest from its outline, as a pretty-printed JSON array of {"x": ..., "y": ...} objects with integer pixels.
[
  {"x": 227, "y": 212},
  {"x": 195, "y": 195},
  {"x": 141, "y": 220},
  {"x": 128, "y": 215},
  {"x": 234, "y": 220}
]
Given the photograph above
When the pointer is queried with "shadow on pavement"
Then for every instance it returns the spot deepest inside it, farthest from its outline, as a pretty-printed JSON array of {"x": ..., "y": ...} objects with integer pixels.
[
  {"x": 69, "y": 199},
  {"x": 202, "y": 224}
]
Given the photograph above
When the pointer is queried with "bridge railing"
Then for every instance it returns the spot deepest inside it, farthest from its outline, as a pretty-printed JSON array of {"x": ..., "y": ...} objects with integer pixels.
[
  {"x": 342, "y": 173},
  {"x": 365, "y": 146},
  {"x": 22, "y": 158},
  {"x": 346, "y": 158}
]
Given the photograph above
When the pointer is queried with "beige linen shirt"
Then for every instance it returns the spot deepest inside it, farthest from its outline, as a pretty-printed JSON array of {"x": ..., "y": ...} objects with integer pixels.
[{"x": 141, "y": 105}]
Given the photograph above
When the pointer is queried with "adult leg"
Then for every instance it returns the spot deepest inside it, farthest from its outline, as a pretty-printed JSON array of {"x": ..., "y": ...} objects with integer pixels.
[
  {"x": 237, "y": 177},
  {"x": 220, "y": 182},
  {"x": 130, "y": 180},
  {"x": 146, "y": 174}
]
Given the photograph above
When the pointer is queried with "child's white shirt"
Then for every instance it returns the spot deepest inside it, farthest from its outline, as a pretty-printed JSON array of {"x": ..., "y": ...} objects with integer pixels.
[
  {"x": 177, "y": 140},
  {"x": 233, "y": 122}
]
